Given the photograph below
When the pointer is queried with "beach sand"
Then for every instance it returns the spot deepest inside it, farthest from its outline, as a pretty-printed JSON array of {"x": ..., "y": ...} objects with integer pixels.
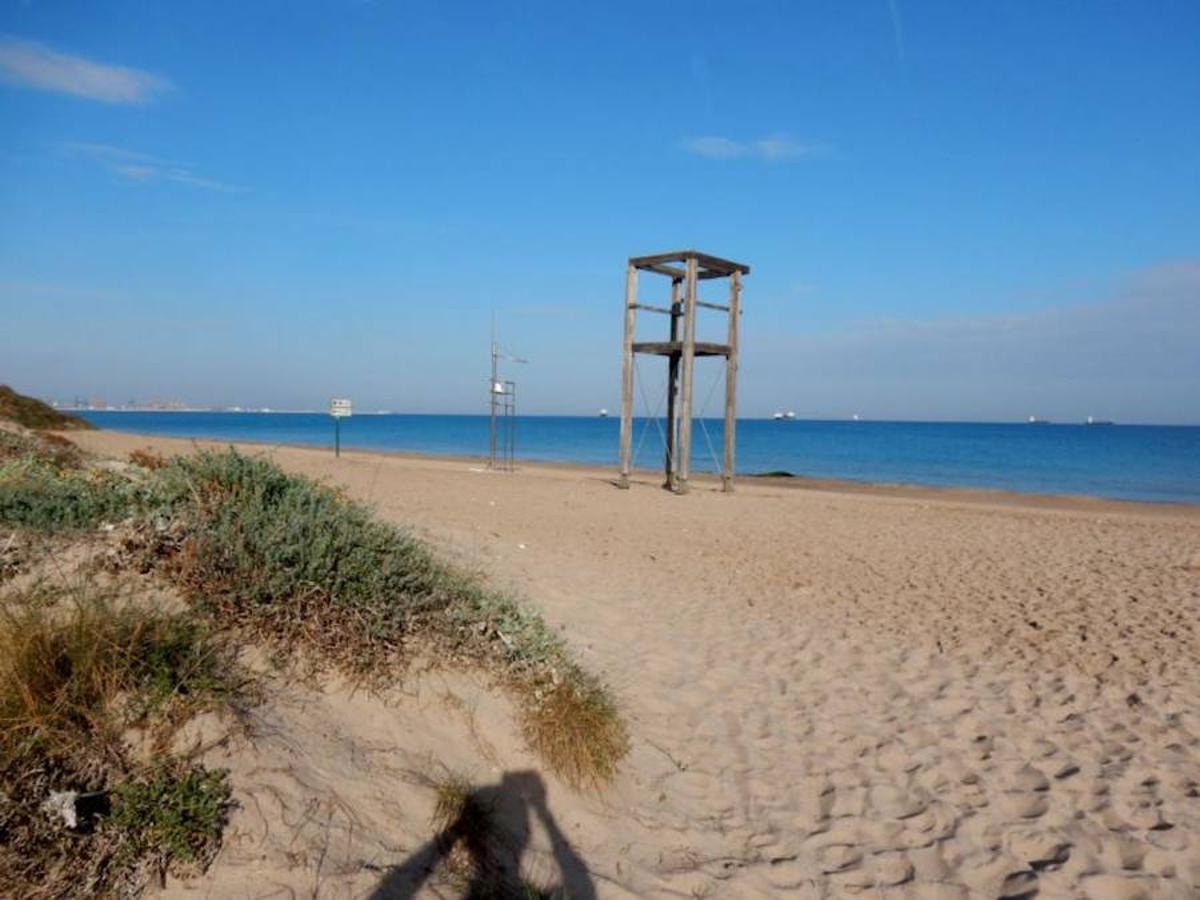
[{"x": 903, "y": 692}]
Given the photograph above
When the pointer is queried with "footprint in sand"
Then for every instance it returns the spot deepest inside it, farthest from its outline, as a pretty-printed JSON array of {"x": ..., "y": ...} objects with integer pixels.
[
  {"x": 838, "y": 857},
  {"x": 896, "y": 803},
  {"x": 1027, "y": 778},
  {"x": 1042, "y": 851},
  {"x": 1123, "y": 852},
  {"x": 892, "y": 869},
  {"x": 1026, "y": 793},
  {"x": 1002, "y": 876},
  {"x": 1018, "y": 885}
]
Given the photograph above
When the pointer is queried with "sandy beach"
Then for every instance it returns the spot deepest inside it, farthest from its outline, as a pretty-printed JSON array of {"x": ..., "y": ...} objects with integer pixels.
[{"x": 893, "y": 692}]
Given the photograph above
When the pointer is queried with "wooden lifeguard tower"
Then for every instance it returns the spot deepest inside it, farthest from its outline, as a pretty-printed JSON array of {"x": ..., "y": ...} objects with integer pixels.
[{"x": 686, "y": 269}]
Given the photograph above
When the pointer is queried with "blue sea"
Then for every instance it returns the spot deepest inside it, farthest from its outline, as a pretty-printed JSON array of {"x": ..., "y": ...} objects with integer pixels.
[{"x": 1130, "y": 462}]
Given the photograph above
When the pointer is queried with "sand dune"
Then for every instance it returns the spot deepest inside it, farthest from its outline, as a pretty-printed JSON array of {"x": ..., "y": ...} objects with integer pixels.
[{"x": 922, "y": 694}]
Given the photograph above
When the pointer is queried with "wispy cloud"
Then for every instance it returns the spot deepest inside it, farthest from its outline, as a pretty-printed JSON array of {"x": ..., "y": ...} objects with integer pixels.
[
  {"x": 772, "y": 149},
  {"x": 34, "y": 65},
  {"x": 1128, "y": 355},
  {"x": 141, "y": 167}
]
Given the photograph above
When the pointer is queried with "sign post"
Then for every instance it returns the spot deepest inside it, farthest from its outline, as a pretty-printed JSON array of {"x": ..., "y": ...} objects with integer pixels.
[{"x": 339, "y": 409}]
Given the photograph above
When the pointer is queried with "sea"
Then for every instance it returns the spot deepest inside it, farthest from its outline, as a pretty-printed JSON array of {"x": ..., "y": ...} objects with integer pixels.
[{"x": 1127, "y": 462}]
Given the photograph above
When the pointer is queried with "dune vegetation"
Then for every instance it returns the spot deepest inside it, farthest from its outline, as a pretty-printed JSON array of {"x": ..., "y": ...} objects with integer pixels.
[
  {"x": 295, "y": 563},
  {"x": 82, "y": 669},
  {"x": 277, "y": 560},
  {"x": 31, "y": 413}
]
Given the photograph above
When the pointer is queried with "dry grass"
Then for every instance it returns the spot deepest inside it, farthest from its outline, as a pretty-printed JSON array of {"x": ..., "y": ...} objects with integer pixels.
[
  {"x": 147, "y": 459},
  {"x": 455, "y": 802},
  {"x": 466, "y": 828},
  {"x": 78, "y": 670},
  {"x": 468, "y": 838},
  {"x": 476, "y": 855},
  {"x": 19, "y": 443},
  {"x": 576, "y": 727}
]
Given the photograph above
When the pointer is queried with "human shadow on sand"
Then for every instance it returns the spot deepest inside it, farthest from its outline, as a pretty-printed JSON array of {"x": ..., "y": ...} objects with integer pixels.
[{"x": 484, "y": 845}]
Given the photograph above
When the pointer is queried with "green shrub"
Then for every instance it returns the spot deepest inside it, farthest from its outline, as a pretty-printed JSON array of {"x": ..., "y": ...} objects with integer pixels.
[
  {"x": 297, "y": 563},
  {"x": 38, "y": 494},
  {"x": 171, "y": 815},
  {"x": 287, "y": 555}
]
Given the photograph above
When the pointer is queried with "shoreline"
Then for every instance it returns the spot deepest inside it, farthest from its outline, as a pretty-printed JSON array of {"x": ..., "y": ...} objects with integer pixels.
[
  {"x": 997, "y": 497},
  {"x": 1070, "y": 423}
]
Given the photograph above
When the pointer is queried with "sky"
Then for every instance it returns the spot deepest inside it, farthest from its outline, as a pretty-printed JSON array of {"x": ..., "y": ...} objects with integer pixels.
[{"x": 950, "y": 210}]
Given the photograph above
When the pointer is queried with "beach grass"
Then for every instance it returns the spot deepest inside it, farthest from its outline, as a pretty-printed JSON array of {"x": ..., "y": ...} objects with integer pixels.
[
  {"x": 298, "y": 566},
  {"x": 295, "y": 563},
  {"x": 82, "y": 668},
  {"x": 475, "y": 852},
  {"x": 576, "y": 727}
]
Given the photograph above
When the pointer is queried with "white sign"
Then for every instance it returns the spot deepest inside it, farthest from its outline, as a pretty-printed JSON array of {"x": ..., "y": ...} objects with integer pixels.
[{"x": 339, "y": 409}]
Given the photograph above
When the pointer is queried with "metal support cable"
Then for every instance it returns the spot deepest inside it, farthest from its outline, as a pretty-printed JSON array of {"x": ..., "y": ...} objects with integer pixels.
[
  {"x": 704, "y": 428},
  {"x": 653, "y": 416}
]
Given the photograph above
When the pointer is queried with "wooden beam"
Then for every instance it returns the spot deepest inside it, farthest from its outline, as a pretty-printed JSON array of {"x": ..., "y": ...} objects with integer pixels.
[
  {"x": 709, "y": 266},
  {"x": 716, "y": 264},
  {"x": 675, "y": 348},
  {"x": 627, "y": 374},
  {"x": 687, "y": 362},
  {"x": 662, "y": 269},
  {"x": 643, "y": 261},
  {"x": 731, "y": 373},
  {"x": 666, "y": 311},
  {"x": 672, "y": 390},
  {"x": 719, "y": 306}
]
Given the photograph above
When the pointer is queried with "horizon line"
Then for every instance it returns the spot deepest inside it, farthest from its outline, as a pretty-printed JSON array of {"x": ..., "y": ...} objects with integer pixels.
[{"x": 852, "y": 419}]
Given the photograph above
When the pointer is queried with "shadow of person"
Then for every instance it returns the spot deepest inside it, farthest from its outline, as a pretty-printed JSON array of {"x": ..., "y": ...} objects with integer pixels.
[{"x": 488, "y": 838}]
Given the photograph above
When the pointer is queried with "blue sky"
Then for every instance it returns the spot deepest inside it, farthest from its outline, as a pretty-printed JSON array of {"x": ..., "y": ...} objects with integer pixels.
[{"x": 952, "y": 210}]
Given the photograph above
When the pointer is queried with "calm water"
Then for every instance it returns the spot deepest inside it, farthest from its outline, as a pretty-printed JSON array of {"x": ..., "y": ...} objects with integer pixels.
[{"x": 1136, "y": 462}]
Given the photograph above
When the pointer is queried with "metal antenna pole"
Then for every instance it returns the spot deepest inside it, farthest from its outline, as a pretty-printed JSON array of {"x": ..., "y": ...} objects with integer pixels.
[
  {"x": 492, "y": 400},
  {"x": 501, "y": 404}
]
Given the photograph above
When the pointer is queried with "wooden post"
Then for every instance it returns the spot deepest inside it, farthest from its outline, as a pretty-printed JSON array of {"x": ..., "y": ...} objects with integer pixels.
[
  {"x": 685, "y": 377},
  {"x": 671, "y": 481},
  {"x": 731, "y": 372},
  {"x": 627, "y": 374}
]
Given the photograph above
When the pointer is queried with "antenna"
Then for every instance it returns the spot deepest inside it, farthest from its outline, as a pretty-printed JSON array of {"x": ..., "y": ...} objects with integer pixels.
[{"x": 502, "y": 400}]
